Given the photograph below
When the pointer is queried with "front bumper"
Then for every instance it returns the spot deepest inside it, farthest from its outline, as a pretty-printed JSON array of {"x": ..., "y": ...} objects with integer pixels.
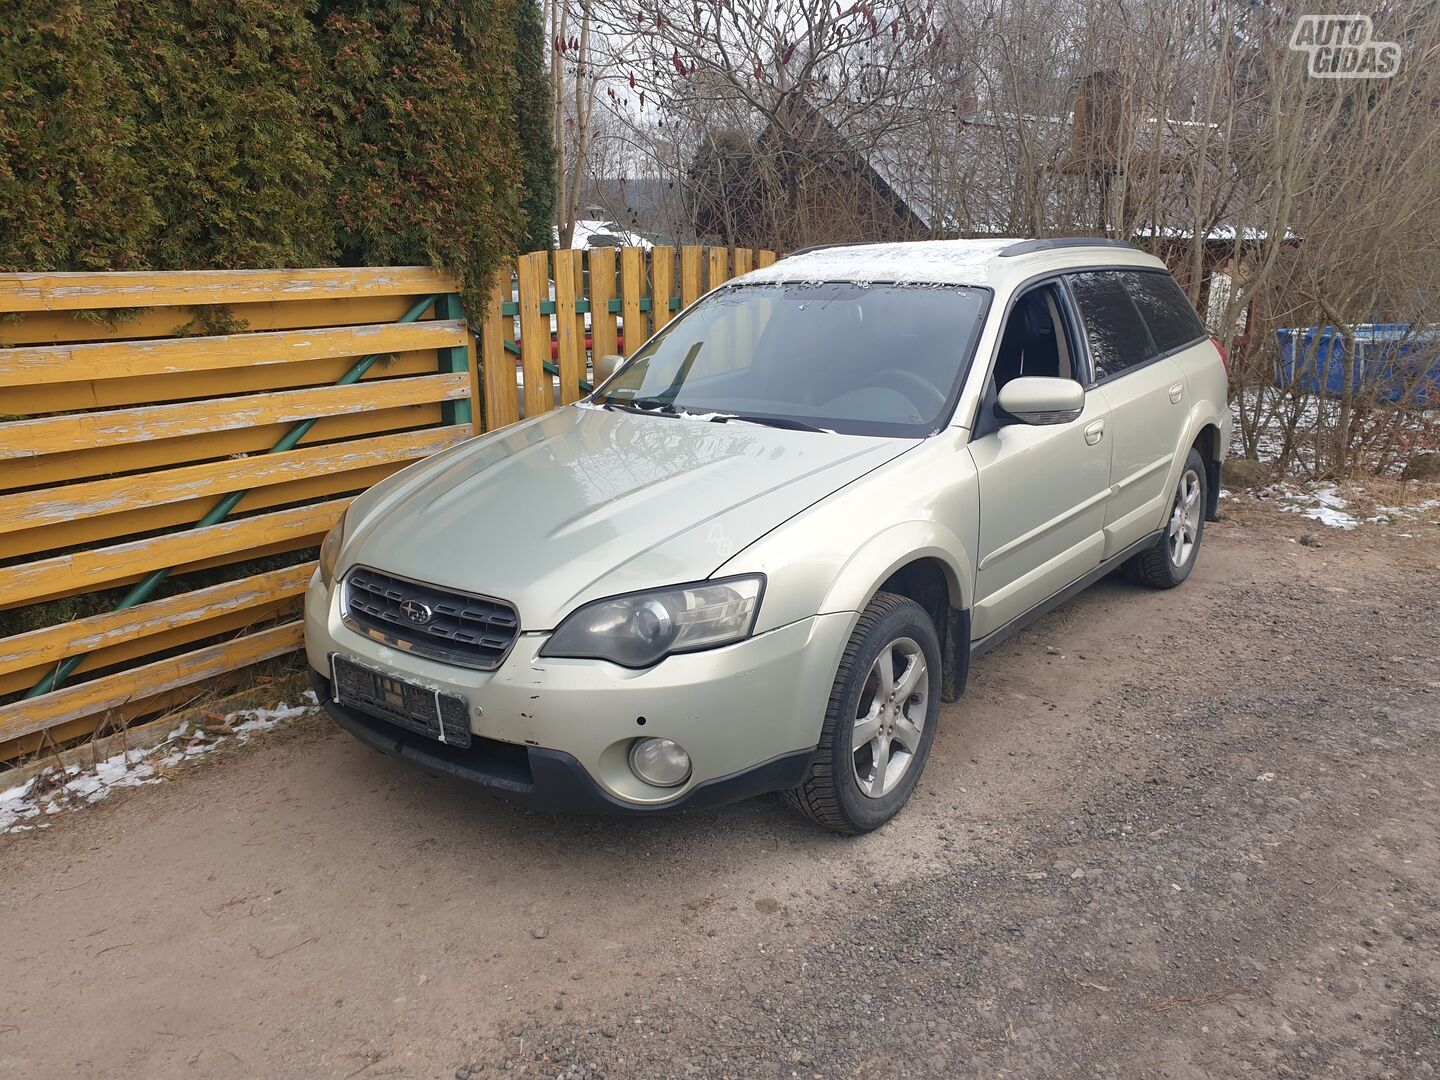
[
  {"x": 551, "y": 779},
  {"x": 557, "y": 732}
]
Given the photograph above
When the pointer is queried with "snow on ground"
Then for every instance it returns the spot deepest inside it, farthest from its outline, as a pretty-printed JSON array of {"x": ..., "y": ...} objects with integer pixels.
[
  {"x": 587, "y": 230},
  {"x": 1344, "y": 508},
  {"x": 1404, "y": 515},
  {"x": 1319, "y": 502},
  {"x": 53, "y": 790}
]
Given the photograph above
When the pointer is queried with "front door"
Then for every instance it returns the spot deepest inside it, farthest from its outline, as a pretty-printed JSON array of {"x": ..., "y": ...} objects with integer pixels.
[{"x": 1043, "y": 490}]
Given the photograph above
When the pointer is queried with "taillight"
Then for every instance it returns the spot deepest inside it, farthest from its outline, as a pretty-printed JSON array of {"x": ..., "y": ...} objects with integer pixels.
[{"x": 1224, "y": 356}]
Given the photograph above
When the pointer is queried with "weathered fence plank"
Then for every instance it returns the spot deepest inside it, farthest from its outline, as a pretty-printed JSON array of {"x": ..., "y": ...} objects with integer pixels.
[
  {"x": 84, "y": 431},
  {"x": 632, "y": 289},
  {"x": 604, "y": 330},
  {"x": 88, "y": 698},
  {"x": 534, "y": 287},
  {"x": 100, "y": 567},
  {"x": 104, "y": 393},
  {"x": 569, "y": 334},
  {"x": 29, "y": 365},
  {"x": 84, "y": 291},
  {"x": 719, "y": 267},
  {"x": 501, "y": 403},
  {"x": 47, "y": 506},
  {"x": 690, "y": 275},
  {"x": 662, "y": 284},
  {"x": 131, "y": 457},
  {"x": 109, "y": 628}
]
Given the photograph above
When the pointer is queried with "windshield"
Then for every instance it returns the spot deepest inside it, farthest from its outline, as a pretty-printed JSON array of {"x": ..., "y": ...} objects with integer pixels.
[{"x": 857, "y": 359}]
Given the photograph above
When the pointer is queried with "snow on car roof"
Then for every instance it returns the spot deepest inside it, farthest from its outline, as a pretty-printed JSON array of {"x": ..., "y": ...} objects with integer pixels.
[{"x": 932, "y": 262}]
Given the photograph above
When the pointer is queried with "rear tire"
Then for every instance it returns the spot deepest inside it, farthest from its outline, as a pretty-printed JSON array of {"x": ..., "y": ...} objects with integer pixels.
[
  {"x": 1169, "y": 561},
  {"x": 880, "y": 721}
]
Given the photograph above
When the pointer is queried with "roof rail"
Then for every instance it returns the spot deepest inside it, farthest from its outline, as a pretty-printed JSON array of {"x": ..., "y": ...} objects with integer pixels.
[{"x": 1059, "y": 243}]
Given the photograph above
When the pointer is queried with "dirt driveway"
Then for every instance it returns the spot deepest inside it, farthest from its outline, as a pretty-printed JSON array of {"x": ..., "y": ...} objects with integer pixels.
[{"x": 1184, "y": 835}]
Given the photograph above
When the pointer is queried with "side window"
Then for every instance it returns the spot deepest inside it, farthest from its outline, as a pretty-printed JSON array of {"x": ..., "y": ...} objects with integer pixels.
[
  {"x": 1165, "y": 308},
  {"x": 1118, "y": 336},
  {"x": 1034, "y": 341}
]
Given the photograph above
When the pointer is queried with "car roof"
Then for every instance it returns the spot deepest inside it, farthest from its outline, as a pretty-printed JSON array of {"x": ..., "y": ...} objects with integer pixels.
[{"x": 992, "y": 263}]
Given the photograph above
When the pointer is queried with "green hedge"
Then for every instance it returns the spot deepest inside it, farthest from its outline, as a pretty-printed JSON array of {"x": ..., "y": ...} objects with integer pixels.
[{"x": 183, "y": 134}]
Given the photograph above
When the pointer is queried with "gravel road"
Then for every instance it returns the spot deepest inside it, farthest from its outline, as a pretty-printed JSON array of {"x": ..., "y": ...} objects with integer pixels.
[{"x": 1193, "y": 834}]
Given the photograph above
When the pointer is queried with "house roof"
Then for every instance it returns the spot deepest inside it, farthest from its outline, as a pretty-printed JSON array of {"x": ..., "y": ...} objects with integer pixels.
[{"x": 995, "y": 173}]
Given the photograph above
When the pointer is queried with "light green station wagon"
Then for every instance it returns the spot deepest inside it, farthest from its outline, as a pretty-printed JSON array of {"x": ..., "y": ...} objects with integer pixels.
[{"x": 762, "y": 553}]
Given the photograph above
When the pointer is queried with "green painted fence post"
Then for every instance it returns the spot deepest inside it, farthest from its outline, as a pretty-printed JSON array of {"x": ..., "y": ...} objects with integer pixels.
[{"x": 455, "y": 359}]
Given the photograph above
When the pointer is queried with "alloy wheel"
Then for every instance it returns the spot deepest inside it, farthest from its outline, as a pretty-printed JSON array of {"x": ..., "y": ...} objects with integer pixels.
[
  {"x": 1184, "y": 528},
  {"x": 891, "y": 717}
]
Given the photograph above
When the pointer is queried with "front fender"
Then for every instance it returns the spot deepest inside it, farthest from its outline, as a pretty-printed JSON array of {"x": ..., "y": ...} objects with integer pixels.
[
  {"x": 833, "y": 556},
  {"x": 861, "y": 576}
]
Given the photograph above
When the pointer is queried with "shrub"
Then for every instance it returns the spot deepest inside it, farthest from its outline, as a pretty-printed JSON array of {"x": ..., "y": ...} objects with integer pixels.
[{"x": 181, "y": 134}]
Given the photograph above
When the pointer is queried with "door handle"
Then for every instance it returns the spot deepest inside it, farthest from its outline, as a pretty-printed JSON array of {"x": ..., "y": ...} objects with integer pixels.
[
  {"x": 1176, "y": 393},
  {"x": 1095, "y": 432}
]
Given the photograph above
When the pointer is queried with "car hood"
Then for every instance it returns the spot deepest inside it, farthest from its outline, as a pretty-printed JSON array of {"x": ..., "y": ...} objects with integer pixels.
[{"x": 585, "y": 502}]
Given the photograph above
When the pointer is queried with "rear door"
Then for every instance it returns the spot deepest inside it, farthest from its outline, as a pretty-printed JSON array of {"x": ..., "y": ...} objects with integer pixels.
[{"x": 1145, "y": 390}]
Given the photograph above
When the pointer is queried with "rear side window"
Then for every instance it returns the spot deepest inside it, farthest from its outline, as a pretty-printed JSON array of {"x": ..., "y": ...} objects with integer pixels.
[
  {"x": 1166, "y": 310},
  {"x": 1117, "y": 334}
]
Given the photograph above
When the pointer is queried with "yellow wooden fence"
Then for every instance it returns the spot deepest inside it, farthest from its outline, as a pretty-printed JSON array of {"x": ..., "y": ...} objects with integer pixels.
[
  {"x": 131, "y": 405},
  {"x": 582, "y": 304},
  {"x": 215, "y": 424}
]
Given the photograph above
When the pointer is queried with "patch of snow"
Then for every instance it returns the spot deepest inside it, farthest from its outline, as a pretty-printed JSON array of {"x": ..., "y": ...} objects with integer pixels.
[
  {"x": 1319, "y": 502},
  {"x": 710, "y": 417},
  {"x": 1388, "y": 514},
  {"x": 939, "y": 262},
  {"x": 588, "y": 230},
  {"x": 54, "y": 790}
]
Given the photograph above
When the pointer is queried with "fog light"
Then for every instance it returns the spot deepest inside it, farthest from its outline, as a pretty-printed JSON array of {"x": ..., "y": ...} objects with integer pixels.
[{"x": 659, "y": 762}]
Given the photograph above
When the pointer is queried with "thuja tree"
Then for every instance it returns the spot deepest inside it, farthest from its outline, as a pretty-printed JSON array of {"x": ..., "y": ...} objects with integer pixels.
[
  {"x": 174, "y": 134},
  {"x": 74, "y": 194},
  {"x": 223, "y": 100},
  {"x": 427, "y": 167},
  {"x": 533, "y": 127}
]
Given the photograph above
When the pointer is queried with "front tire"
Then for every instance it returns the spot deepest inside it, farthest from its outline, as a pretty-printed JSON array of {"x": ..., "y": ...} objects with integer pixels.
[
  {"x": 1173, "y": 555},
  {"x": 880, "y": 721}
]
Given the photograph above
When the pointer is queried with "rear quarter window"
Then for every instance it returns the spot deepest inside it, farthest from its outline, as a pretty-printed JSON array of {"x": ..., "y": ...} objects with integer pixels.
[{"x": 1166, "y": 310}]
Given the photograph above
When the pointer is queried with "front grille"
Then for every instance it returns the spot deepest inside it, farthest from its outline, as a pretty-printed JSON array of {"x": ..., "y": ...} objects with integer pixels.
[{"x": 475, "y": 631}]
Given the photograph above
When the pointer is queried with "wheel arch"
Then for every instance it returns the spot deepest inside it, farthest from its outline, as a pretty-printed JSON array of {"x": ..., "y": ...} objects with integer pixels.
[
  {"x": 1207, "y": 441},
  {"x": 1202, "y": 433},
  {"x": 914, "y": 560}
]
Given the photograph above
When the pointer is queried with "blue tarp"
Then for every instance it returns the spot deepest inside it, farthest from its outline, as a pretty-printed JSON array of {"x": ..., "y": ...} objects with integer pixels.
[{"x": 1395, "y": 361}]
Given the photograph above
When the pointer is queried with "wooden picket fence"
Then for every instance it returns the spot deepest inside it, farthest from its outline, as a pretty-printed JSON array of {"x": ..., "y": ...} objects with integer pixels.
[
  {"x": 173, "y": 446},
  {"x": 578, "y": 305}
]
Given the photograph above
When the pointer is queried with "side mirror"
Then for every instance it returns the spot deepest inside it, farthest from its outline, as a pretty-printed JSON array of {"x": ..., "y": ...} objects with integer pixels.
[
  {"x": 604, "y": 366},
  {"x": 1042, "y": 401}
]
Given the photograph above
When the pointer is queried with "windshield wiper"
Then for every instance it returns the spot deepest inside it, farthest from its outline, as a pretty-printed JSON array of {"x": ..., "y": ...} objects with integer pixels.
[
  {"x": 648, "y": 406},
  {"x": 658, "y": 406},
  {"x": 766, "y": 421}
]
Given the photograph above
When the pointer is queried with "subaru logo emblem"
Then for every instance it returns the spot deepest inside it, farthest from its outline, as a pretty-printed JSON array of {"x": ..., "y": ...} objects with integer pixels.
[{"x": 416, "y": 612}]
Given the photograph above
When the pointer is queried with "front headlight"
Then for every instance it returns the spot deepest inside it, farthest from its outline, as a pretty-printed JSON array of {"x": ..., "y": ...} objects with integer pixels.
[
  {"x": 330, "y": 551},
  {"x": 640, "y": 629}
]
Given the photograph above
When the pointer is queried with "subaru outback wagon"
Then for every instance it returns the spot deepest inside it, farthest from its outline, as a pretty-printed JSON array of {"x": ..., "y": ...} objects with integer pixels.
[{"x": 761, "y": 554}]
